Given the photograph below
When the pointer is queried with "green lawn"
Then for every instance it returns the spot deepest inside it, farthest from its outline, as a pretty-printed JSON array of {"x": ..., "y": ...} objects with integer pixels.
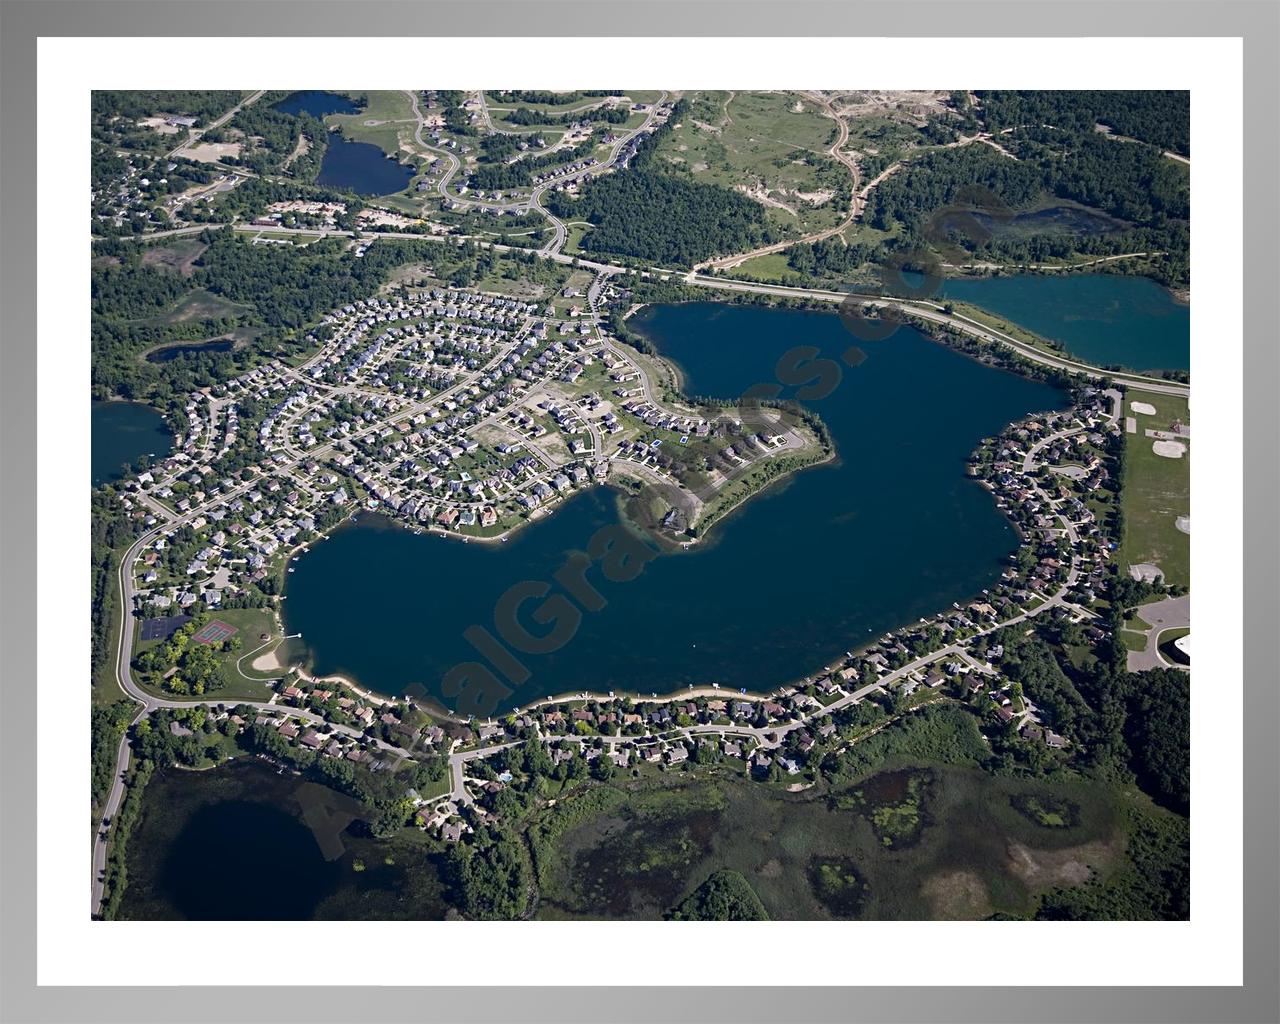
[
  {"x": 1008, "y": 327},
  {"x": 772, "y": 267},
  {"x": 1155, "y": 492},
  {"x": 577, "y": 230},
  {"x": 105, "y": 688},
  {"x": 250, "y": 623},
  {"x": 392, "y": 117},
  {"x": 1133, "y": 641},
  {"x": 1164, "y": 643}
]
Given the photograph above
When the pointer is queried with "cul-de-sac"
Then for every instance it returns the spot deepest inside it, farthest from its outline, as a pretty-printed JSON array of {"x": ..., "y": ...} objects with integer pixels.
[{"x": 640, "y": 504}]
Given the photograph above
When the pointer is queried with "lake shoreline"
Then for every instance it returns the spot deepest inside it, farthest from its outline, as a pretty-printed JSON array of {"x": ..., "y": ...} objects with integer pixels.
[{"x": 679, "y": 686}]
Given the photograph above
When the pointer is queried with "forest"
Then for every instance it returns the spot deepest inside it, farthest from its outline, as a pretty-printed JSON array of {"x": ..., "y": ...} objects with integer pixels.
[
  {"x": 664, "y": 218},
  {"x": 279, "y": 133},
  {"x": 547, "y": 98},
  {"x": 1160, "y": 117},
  {"x": 203, "y": 104},
  {"x": 1155, "y": 885},
  {"x": 1135, "y": 184},
  {"x": 110, "y": 531},
  {"x": 605, "y": 115},
  {"x": 651, "y": 213},
  {"x": 489, "y": 176},
  {"x": 263, "y": 295},
  {"x": 724, "y": 896}
]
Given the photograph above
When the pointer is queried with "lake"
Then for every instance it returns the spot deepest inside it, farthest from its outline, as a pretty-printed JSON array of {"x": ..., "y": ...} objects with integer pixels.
[
  {"x": 121, "y": 432},
  {"x": 317, "y": 103},
  {"x": 1102, "y": 319},
  {"x": 362, "y": 168},
  {"x": 169, "y": 353},
  {"x": 229, "y": 844},
  {"x": 842, "y": 553}
]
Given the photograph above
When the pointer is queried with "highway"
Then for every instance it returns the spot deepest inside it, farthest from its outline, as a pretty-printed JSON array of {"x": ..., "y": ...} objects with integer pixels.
[
  {"x": 928, "y": 310},
  {"x": 923, "y": 308}
]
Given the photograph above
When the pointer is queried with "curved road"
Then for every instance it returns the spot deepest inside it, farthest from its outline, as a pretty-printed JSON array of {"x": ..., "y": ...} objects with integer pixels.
[
  {"x": 533, "y": 202},
  {"x": 769, "y": 737},
  {"x": 935, "y": 312}
]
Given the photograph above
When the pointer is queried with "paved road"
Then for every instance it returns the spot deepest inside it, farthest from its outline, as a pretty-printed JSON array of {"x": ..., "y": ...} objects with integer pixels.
[
  {"x": 770, "y": 737},
  {"x": 196, "y": 134},
  {"x": 935, "y": 312},
  {"x": 930, "y": 311},
  {"x": 857, "y": 198},
  {"x": 149, "y": 702},
  {"x": 561, "y": 235},
  {"x": 922, "y": 308},
  {"x": 1170, "y": 613},
  {"x": 534, "y": 201},
  {"x": 457, "y": 760}
]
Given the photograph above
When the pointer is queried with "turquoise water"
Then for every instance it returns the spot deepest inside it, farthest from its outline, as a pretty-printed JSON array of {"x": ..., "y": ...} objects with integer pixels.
[
  {"x": 1103, "y": 319},
  {"x": 891, "y": 532},
  {"x": 362, "y": 168},
  {"x": 121, "y": 432}
]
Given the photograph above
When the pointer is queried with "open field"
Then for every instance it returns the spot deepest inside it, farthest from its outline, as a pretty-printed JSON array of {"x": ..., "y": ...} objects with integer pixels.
[
  {"x": 773, "y": 145},
  {"x": 771, "y": 268},
  {"x": 249, "y": 624},
  {"x": 199, "y": 304},
  {"x": 178, "y": 255},
  {"x": 210, "y": 152},
  {"x": 1156, "y": 491},
  {"x": 387, "y": 122},
  {"x": 917, "y": 844}
]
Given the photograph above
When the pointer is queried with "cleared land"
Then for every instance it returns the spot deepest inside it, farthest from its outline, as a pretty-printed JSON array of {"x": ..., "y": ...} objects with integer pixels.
[
  {"x": 178, "y": 255},
  {"x": 770, "y": 146},
  {"x": 1156, "y": 492}
]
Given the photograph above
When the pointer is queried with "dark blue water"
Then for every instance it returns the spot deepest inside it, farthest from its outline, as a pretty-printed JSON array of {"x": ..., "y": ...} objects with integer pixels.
[
  {"x": 893, "y": 532},
  {"x": 171, "y": 352},
  {"x": 1103, "y": 319},
  {"x": 120, "y": 432},
  {"x": 317, "y": 103},
  {"x": 362, "y": 168},
  {"x": 230, "y": 844}
]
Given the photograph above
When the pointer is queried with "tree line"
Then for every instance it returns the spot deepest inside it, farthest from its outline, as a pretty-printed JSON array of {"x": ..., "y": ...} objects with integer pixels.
[
  {"x": 667, "y": 219},
  {"x": 1161, "y": 117},
  {"x": 1134, "y": 184},
  {"x": 604, "y": 115}
]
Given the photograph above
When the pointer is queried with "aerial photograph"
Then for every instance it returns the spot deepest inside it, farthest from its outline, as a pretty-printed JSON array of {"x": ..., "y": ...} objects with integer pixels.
[{"x": 640, "y": 504}]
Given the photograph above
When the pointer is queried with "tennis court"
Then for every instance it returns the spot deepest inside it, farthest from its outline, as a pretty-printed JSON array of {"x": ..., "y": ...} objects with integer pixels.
[{"x": 214, "y": 633}]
